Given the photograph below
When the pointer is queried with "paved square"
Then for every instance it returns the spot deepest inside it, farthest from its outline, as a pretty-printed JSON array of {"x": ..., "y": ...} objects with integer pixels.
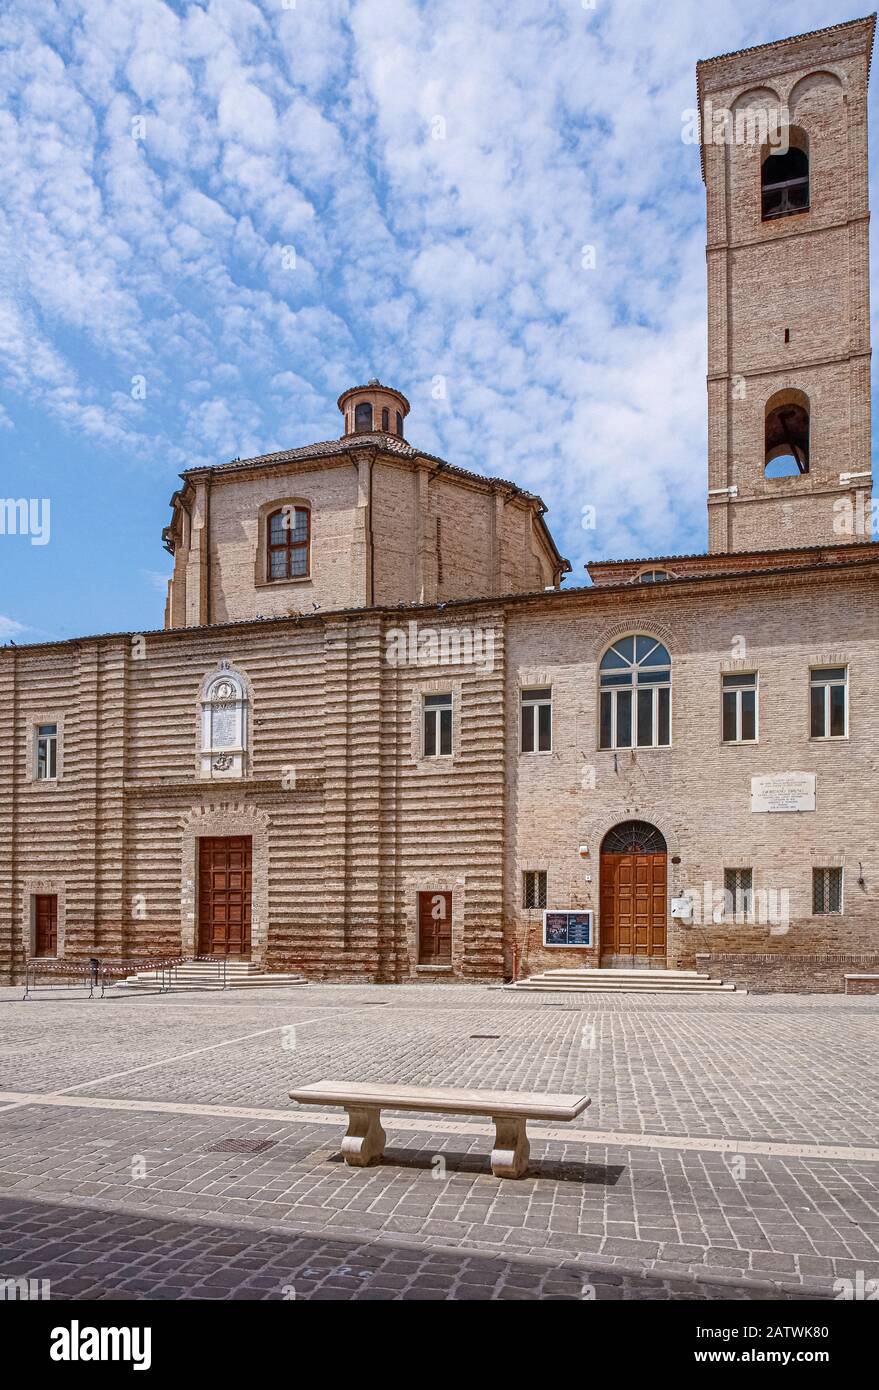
[{"x": 730, "y": 1149}]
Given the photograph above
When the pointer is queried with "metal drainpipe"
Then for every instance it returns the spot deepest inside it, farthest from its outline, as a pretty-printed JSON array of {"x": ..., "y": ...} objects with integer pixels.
[{"x": 207, "y": 523}]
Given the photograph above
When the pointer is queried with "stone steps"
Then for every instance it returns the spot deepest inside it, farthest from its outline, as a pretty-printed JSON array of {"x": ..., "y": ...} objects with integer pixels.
[
  {"x": 203, "y": 975},
  {"x": 600, "y": 981}
]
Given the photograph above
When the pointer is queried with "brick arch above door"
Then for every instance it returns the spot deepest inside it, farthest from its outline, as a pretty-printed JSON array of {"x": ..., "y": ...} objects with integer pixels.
[
  {"x": 601, "y": 829},
  {"x": 225, "y": 820}
]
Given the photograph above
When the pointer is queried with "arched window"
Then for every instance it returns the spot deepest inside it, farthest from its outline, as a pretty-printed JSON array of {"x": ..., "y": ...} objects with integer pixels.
[
  {"x": 635, "y": 694},
  {"x": 223, "y": 750},
  {"x": 634, "y": 837},
  {"x": 288, "y": 543},
  {"x": 363, "y": 417},
  {"x": 386, "y": 419},
  {"x": 654, "y": 576},
  {"x": 399, "y": 424},
  {"x": 787, "y": 435},
  {"x": 785, "y": 177}
]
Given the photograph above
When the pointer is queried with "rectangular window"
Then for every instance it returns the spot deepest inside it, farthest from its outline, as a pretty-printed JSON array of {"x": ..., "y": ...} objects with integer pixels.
[
  {"x": 738, "y": 884},
  {"x": 537, "y": 721},
  {"x": 740, "y": 709},
  {"x": 46, "y": 752},
  {"x": 437, "y": 726},
  {"x": 829, "y": 701},
  {"x": 826, "y": 891},
  {"x": 534, "y": 888}
]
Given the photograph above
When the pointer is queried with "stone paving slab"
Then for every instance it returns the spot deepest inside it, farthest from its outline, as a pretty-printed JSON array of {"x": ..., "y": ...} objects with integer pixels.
[
  {"x": 746, "y": 1220},
  {"x": 89, "y": 1253}
]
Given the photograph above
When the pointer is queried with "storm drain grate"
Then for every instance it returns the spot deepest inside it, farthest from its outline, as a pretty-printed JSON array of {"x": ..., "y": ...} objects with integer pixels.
[
  {"x": 241, "y": 1146},
  {"x": 493, "y": 1037}
]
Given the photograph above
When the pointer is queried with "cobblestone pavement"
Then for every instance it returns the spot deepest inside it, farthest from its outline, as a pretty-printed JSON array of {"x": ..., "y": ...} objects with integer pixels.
[{"x": 733, "y": 1148}]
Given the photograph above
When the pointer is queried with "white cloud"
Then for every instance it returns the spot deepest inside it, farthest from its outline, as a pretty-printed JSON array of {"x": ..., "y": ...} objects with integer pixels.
[{"x": 416, "y": 256}]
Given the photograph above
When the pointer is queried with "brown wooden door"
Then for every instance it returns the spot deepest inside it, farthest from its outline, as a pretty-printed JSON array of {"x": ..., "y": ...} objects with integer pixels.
[
  {"x": 633, "y": 904},
  {"x": 224, "y": 892},
  {"x": 434, "y": 928},
  {"x": 46, "y": 924}
]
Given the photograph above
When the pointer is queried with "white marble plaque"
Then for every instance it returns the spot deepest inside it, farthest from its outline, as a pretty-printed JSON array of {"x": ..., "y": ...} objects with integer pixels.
[{"x": 784, "y": 791}]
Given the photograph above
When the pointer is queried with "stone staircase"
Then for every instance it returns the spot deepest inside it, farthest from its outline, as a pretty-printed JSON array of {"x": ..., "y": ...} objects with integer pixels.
[
  {"x": 629, "y": 981},
  {"x": 208, "y": 975}
]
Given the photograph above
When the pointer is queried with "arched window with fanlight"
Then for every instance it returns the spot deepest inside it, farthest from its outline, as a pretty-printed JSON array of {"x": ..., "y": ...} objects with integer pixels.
[
  {"x": 288, "y": 543},
  {"x": 784, "y": 177},
  {"x": 224, "y": 708},
  {"x": 635, "y": 694}
]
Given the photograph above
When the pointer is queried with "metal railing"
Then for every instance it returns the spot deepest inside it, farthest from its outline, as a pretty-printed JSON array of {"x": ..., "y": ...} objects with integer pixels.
[{"x": 94, "y": 974}]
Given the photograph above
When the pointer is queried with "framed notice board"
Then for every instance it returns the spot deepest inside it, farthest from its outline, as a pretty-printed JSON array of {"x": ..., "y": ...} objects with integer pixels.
[{"x": 567, "y": 928}]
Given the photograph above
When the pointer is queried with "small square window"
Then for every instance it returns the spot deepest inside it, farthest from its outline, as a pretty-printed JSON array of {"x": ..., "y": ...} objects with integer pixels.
[
  {"x": 534, "y": 888},
  {"x": 826, "y": 891},
  {"x": 536, "y": 721},
  {"x": 828, "y": 711},
  {"x": 46, "y": 751},
  {"x": 437, "y": 726},
  {"x": 738, "y": 885},
  {"x": 740, "y": 708}
]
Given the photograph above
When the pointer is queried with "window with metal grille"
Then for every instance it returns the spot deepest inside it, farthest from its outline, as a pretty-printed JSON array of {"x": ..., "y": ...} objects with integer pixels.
[
  {"x": 534, "y": 888},
  {"x": 289, "y": 543},
  {"x": 437, "y": 726},
  {"x": 739, "y": 885},
  {"x": 740, "y": 709},
  {"x": 537, "y": 720},
  {"x": 828, "y": 692},
  {"x": 826, "y": 891},
  {"x": 46, "y": 752}
]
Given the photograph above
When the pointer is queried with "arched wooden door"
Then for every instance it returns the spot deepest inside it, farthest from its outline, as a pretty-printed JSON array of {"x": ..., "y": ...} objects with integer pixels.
[{"x": 634, "y": 888}]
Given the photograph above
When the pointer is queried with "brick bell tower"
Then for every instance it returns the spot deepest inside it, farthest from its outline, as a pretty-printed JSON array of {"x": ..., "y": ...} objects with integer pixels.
[{"x": 784, "y": 159}]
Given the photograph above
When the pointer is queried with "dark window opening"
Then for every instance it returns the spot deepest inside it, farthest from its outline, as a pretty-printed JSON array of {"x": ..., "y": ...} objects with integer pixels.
[
  {"x": 534, "y": 888},
  {"x": 787, "y": 436},
  {"x": 785, "y": 184},
  {"x": 386, "y": 419},
  {"x": 399, "y": 424},
  {"x": 826, "y": 891},
  {"x": 363, "y": 417}
]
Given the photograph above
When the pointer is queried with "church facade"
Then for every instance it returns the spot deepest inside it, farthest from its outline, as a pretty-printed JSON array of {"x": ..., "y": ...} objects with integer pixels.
[{"x": 378, "y": 739}]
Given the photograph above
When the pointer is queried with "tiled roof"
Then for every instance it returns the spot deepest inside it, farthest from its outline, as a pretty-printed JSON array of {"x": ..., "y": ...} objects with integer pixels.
[
  {"x": 329, "y": 448},
  {"x": 821, "y": 552},
  {"x": 595, "y": 592},
  {"x": 782, "y": 43},
  {"x": 371, "y": 386}
]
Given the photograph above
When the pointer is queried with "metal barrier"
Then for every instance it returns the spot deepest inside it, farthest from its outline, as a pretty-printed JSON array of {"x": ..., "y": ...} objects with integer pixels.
[{"x": 95, "y": 974}]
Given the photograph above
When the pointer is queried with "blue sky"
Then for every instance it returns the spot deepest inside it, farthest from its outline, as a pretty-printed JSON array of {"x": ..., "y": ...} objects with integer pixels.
[{"x": 437, "y": 169}]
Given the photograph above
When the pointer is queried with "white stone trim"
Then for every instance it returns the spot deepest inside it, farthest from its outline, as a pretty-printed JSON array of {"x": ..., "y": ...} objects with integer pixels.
[
  {"x": 457, "y": 888},
  {"x": 216, "y": 820},
  {"x": 32, "y": 723},
  {"x": 30, "y": 887}
]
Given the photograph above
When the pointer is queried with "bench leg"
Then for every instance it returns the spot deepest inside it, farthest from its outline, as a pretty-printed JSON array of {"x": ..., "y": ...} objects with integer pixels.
[
  {"x": 364, "y": 1141},
  {"x": 509, "y": 1157}
]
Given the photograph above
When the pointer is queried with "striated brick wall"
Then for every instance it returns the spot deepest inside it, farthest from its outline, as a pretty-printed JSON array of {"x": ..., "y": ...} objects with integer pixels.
[{"x": 343, "y": 846}]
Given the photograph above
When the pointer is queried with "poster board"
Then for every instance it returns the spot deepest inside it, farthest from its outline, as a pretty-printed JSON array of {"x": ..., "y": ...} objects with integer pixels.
[{"x": 567, "y": 928}]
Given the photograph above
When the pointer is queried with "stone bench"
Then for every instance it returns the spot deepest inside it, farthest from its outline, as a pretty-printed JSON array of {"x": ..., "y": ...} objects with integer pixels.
[{"x": 364, "y": 1101}]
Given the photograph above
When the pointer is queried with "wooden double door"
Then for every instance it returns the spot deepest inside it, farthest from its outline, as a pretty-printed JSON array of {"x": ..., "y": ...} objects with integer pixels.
[
  {"x": 634, "y": 888},
  {"x": 434, "y": 928},
  {"x": 225, "y": 885}
]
